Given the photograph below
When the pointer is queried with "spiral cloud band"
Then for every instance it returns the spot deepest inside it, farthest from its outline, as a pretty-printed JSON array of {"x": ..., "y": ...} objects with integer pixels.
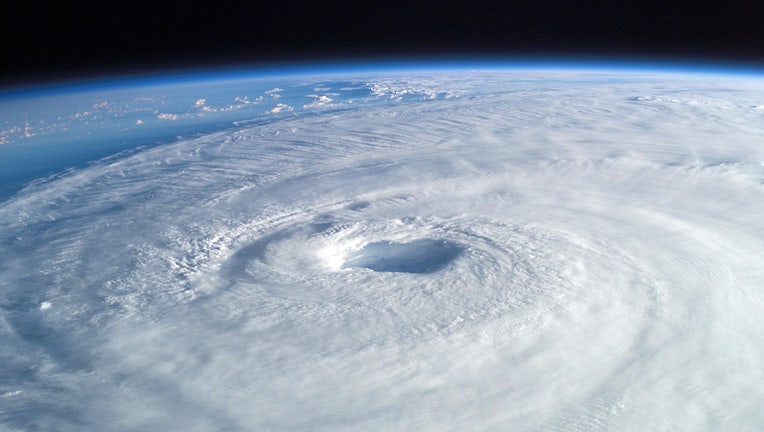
[{"x": 501, "y": 251}]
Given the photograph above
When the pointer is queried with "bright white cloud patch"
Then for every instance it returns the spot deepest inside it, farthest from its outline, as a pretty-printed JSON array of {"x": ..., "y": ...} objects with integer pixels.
[
  {"x": 274, "y": 92},
  {"x": 167, "y": 116},
  {"x": 319, "y": 102},
  {"x": 547, "y": 251},
  {"x": 281, "y": 108}
]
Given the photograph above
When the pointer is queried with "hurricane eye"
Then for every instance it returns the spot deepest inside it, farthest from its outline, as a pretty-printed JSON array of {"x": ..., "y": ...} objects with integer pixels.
[{"x": 418, "y": 256}]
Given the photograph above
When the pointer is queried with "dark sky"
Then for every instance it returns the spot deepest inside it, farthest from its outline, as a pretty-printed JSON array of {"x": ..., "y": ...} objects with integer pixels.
[{"x": 59, "y": 40}]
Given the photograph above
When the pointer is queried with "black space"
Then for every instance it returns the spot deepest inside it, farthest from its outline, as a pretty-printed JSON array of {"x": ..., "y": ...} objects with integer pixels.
[{"x": 57, "y": 40}]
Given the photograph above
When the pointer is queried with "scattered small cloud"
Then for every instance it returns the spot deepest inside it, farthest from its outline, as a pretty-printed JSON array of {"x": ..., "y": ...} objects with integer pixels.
[
  {"x": 165, "y": 116},
  {"x": 396, "y": 91},
  {"x": 274, "y": 92},
  {"x": 281, "y": 108},
  {"x": 246, "y": 101},
  {"x": 319, "y": 102},
  {"x": 28, "y": 131}
]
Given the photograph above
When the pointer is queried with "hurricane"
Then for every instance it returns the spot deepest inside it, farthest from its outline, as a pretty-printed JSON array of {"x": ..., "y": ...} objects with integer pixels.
[{"x": 495, "y": 250}]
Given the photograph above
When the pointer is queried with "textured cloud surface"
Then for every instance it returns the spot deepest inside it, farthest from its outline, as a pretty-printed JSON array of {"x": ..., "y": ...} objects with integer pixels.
[{"x": 498, "y": 251}]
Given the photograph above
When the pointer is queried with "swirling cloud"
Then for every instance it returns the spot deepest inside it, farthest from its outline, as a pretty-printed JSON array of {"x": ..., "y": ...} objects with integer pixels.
[{"x": 575, "y": 252}]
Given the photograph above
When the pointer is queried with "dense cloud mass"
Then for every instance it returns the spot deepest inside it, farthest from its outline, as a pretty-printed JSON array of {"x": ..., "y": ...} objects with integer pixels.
[{"x": 512, "y": 251}]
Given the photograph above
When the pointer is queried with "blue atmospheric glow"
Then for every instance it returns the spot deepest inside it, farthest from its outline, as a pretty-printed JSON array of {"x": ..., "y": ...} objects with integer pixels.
[{"x": 338, "y": 68}]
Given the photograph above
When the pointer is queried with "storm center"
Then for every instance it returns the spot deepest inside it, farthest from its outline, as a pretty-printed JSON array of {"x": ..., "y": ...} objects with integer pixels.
[{"x": 419, "y": 256}]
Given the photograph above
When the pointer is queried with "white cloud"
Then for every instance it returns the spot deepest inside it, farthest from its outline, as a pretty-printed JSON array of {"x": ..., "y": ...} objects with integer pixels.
[
  {"x": 246, "y": 101},
  {"x": 281, "y": 108},
  {"x": 274, "y": 93},
  {"x": 166, "y": 116},
  {"x": 319, "y": 101}
]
